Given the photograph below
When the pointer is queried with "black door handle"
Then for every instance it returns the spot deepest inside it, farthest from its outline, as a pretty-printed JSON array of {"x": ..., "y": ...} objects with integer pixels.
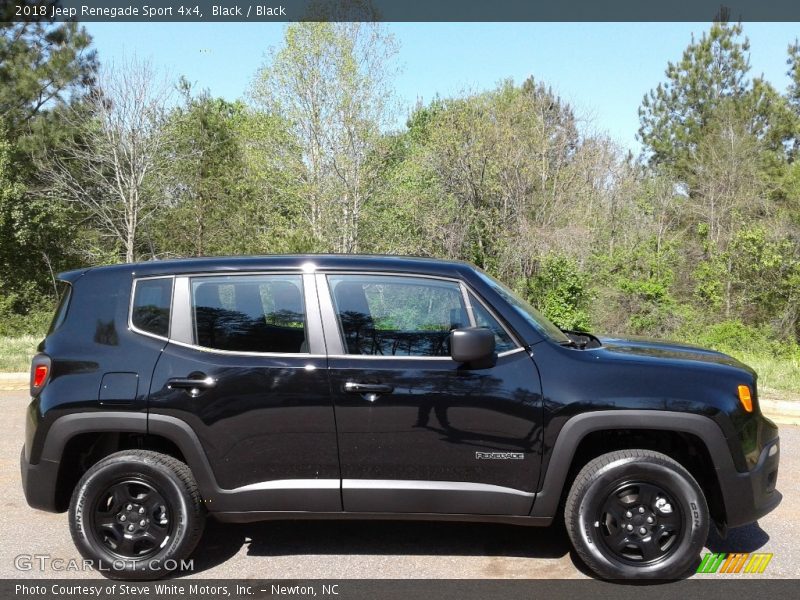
[
  {"x": 369, "y": 391},
  {"x": 368, "y": 388},
  {"x": 193, "y": 385}
]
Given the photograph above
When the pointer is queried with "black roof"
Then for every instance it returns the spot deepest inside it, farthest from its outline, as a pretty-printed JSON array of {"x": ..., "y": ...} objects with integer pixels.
[{"x": 330, "y": 262}]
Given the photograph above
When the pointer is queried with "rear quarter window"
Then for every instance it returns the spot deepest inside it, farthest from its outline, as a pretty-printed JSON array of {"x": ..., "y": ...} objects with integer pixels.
[
  {"x": 152, "y": 299},
  {"x": 65, "y": 292}
]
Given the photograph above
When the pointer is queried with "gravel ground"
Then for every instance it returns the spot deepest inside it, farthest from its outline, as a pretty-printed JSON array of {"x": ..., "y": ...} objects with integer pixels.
[{"x": 372, "y": 549}]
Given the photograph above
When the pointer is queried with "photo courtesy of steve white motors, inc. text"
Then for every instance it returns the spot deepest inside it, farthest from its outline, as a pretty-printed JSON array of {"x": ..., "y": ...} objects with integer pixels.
[{"x": 194, "y": 590}]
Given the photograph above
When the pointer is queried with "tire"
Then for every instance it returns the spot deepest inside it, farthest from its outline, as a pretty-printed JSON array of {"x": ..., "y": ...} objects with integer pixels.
[
  {"x": 154, "y": 495},
  {"x": 627, "y": 488}
]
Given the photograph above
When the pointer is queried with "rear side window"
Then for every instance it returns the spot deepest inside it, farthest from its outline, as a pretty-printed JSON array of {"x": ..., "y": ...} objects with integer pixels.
[
  {"x": 250, "y": 313},
  {"x": 397, "y": 316},
  {"x": 63, "y": 306},
  {"x": 151, "y": 305}
]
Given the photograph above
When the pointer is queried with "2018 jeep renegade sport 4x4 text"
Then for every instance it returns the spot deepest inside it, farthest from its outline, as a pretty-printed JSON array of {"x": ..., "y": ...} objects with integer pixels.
[{"x": 364, "y": 387}]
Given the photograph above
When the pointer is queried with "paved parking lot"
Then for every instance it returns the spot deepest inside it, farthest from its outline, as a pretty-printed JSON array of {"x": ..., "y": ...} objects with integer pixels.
[{"x": 331, "y": 550}]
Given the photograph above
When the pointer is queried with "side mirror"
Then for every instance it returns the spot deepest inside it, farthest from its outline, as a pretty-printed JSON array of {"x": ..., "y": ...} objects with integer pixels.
[{"x": 473, "y": 346}]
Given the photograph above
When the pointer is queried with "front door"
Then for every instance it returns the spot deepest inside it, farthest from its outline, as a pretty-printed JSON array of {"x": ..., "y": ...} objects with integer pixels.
[
  {"x": 264, "y": 418},
  {"x": 417, "y": 431}
]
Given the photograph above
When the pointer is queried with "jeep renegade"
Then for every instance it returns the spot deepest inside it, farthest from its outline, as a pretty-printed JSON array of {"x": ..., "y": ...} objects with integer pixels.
[{"x": 368, "y": 387}]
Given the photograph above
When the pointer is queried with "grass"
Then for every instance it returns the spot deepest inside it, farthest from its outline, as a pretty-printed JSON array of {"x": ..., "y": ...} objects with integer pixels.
[
  {"x": 16, "y": 353},
  {"x": 781, "y": 374},
  {"x": 774, "y": 374}
]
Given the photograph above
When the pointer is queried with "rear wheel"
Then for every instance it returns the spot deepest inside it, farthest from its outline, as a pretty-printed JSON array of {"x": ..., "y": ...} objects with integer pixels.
[
  {"x": 636, "y": 514},
  {"x": 136, "y": 514}
]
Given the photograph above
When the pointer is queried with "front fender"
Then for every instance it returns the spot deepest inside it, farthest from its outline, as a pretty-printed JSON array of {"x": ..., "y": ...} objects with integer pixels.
[{"x": 746, "y": 496}]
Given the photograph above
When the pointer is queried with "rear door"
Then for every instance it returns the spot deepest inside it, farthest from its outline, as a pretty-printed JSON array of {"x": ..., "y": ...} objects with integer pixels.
[
  {"x": 417, "y": 431},
  {"x": 265, "y": 418}
]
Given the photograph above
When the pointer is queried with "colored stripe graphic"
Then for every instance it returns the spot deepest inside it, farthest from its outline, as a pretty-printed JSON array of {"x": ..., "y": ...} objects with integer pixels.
[
  {"x": 711, "y": 562},
  {"x": 758, "y": 562},
  {"x": 741, "y": 562},
  {"x": 729, "y": 563},
  {"x": 737, "y": 562}
]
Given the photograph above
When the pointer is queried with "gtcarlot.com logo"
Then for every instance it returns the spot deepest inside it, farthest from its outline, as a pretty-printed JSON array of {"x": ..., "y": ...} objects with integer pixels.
[
  {"x": 46, "y": 562},
  {"x": 738, "y": 562}
]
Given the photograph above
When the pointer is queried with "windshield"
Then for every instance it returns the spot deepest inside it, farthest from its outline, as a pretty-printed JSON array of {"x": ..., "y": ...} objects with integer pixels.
[{"x": 526, "y": 311}]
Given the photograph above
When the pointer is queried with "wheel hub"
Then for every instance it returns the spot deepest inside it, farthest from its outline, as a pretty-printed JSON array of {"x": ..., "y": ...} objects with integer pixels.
[
  {"x": 133, "y": 518},
  {"x": 639, "y": 523}
]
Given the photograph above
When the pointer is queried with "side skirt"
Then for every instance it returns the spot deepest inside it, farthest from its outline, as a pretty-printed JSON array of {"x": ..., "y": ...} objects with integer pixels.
[{"x": 256, "y": 516}]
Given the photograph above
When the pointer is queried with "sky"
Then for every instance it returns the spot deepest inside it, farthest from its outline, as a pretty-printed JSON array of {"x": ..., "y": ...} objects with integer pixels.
[{"x": 602, "y": 69}]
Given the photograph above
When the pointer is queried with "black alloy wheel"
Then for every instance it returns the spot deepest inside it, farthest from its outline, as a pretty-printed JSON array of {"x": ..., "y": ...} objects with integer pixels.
[
  {"x": 132, "y": 519},
  {"x": 640, "y": 523}
]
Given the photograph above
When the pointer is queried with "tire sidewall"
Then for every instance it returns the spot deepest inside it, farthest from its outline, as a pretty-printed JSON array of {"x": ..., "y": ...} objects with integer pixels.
[
  {"x": 682, "y": 489},
  {"x": 95, "y": 482}
]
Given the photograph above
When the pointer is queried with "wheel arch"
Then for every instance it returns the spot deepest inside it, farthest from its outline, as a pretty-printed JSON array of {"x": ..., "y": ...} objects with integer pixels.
[
  {"x": 77, "y": 441},
  {"x": 581, "y": 430}
]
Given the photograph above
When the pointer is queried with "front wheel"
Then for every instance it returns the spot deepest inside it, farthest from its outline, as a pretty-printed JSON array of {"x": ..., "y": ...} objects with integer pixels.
[
  {"x": 136, "y": 514},
  {"x": 636, "y": 514}
]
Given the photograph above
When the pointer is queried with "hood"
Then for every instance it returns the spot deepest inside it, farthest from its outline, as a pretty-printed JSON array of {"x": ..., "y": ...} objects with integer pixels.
[{"x": 661, "y": 349}]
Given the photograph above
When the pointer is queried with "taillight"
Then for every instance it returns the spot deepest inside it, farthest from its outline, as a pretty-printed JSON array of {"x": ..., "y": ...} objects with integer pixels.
[
  {"x": 39, "y": 375},
  {"x": 40, "y": 372}
]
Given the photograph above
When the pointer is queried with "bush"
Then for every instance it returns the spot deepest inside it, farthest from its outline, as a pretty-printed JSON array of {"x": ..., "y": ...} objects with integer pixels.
[
  {"x": 561, "y": 291},
  {"x": 736, "y": 338},
  {"x": 20, "y": 315}
]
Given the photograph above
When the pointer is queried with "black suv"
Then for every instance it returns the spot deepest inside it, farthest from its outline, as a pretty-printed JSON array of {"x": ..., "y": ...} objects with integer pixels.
[{"x": 368, "y": 387}]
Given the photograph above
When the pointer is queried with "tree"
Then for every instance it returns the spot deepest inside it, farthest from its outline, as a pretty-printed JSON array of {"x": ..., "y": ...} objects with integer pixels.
[
  {"x": 330, "y": 82},
  {"x": 503, "y": 168},
  {"x": 792, "y": 178},
  {"x": 231, "y": 172},
  {"x": 42, "y": 65},
  {"x": 711, "y": 76},
  {"x": 110, "y": 167},
  {"x": 793, "y": 61},
  {"x": 206, "y": 175},
  {"x": 44, "y": 69},
  {"x": 793, "y": 93}
]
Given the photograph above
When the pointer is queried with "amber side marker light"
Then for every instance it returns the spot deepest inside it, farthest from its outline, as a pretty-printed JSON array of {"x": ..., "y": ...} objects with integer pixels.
[{"x": 745, "y": 398}]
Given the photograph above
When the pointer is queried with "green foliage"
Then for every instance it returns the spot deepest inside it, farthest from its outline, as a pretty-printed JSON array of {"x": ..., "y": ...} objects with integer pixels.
[
  {"x": 674, "y": 114},
  {"x": 765, "y": 272},
  {"x": 478, "y": 171},
  {"x": 561, "y": 291},
  {"x": 710, "y": 77},
  {"x": 793, "y": 61},
  {"x": 27, "y": 231},
  {"x": 42, "y": 65},
  {"x": 10, "y": 189},
  {"x": 777, "y": 361},
  {"x": 710, "y": 284},
  {"x": 207, "y": 172},
  {"x": 755, "y": 277},
  {"x": 699, "y": 243},
  {"x": 736, "y": 338},
  {"x": 328, "y": 82},
  {"x": 24, "y": 313}
]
